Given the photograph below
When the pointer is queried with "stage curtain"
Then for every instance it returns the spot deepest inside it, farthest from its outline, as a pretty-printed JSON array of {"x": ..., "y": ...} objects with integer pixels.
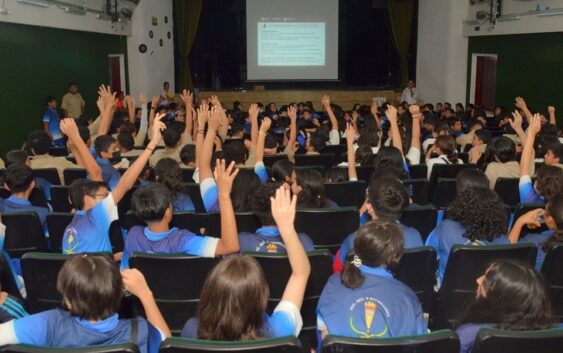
[
  {"x": 401, "y": 14},
  {"x": 186, "y": 18}
]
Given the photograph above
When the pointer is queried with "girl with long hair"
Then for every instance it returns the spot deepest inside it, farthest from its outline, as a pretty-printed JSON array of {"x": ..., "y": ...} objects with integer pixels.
[
  {"x": 167, "y": 172},
  {"x": 310, "y": 190},
  {"x": 445, "y": 147}
]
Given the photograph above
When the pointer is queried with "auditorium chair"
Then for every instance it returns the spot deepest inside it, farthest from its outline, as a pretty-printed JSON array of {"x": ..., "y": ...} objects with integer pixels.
[
  {"x": 444, "y": 192},
  {"x": 23, "y": 234},
  {"x": 189, "y": 220},
  {"x": 7, "y": 280},
  {"x": 195, "y": 195},
  {"x": 347, "y": 194},
  {"x": 286, "y": 344},
  {"x": 417, "y": 269},
  {"x": 187, "y": 175},
  {"x": 114, "y": 348},
  {"x": 58, "y": 152},
  {"x": 124, "y": 205},
  {"x": 72, "y": 174},
  {"x": 419, "y": 190},
  {"x": 325, "y": 160},
  {"x": 418, "y": 171},
  {"x": 465, "y": 265},
  {"x": 421, "y": 218},
  {"x": 505, "y": 341},
  {"x": 336, "y": 150},
  {"x": 37, "y": 196},
  {"x": 56, "y": 224},
  {"x": 552, "y": 270},
  {"x": 49, "y": 174},
  {"x": 327, "y": 227},
  {"x": 176, "y": 282},
  {"x": 318, "y": 168},
  {"x": 448, "y": 171},
  {"x": 59, "y": 199},
  {"x": 507, "y": 189},
  {"x": 522, "y": 208},
  {"x": 443, "y": 341},
  {"x": 271, "y": 159},
  {"x": 246, "y": 222}
]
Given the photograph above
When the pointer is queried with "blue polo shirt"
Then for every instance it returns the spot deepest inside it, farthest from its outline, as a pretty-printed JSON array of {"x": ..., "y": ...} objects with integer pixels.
[
  {"x": 173, "y": 241},
  {"x": 538, "y": 239},
  {"x": 528, "y": 193},
  {"x": 89, "y": 230},
  {"x": 381, "y": 307},
  {"x": 11, "y": 309},
  {"x": 110, "y": 175},
  {"x": 15, "y": 204},
  {"x": 182, "y": 202},
  {"x": 51, "y": 117},
  {"x": 268, "y": 239}
]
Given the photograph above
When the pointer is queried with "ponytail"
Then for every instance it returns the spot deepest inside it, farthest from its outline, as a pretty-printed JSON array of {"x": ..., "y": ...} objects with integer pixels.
[
  {"x": 452, "y": 157},
  {"x": 351, "y": 277}
]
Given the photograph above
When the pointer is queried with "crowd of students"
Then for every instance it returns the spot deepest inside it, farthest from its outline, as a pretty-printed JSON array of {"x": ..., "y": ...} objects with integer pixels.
[{"x": 226, "y": 150}]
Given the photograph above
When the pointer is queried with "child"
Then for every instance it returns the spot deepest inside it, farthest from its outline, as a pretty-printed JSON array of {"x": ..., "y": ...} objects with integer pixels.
[
  {"x": 153, "y": 204},
  {"x": 237, "y": 286},
  {"x": 510, "y": 296},
  {"x": 108, "y": 154},
  {"x": 267, "y": 238},
  {"x": 96, "y": 206},
  {"x": 310, "y": 190},
  {"x": 167, "y": 172},
  {"x": 92, "y": 288},
  {"x": 445, "y": 148},
  {"x": 365, "y": 301},
  {"x": 502, "y": 151},
  {"x": 386, "y": 200}
]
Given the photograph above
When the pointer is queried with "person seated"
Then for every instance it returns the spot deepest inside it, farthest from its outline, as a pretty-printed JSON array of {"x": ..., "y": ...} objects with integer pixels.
[
  {"x": 237, "y": 286},
  {"x": 187, "y": 156},
  {"x": 267, "y": 238},
  {"x": 126, "y": 145},
  {"x": 92, "y": 288},
  {"x": 501, "y": 152},
  {"x": 19, "y": 181},
  {"x": 283, "y": 171},
  {"x": 481, "y": 139},
  {"x": 469, "y": 138},
  {"x": 386, "y": 200},
  {"x": 441, "y": 128},
  {"x": 39, "y": 144},
  {"x": 21, "y": 157},
  {"x": 168, "y": 173},
  {"x": 464, "y": 224},
  {"x": 108, "y": 155},
  {"x": 173, "y": 145},
  {"x": 553, "y": 218},
  {"x": 153, "y": 204},
  {"x": 510, "y": 296},
  {"x": 397, "y": 132},
  {"x": 11, "y": 308},
  {"x": 445, "y": 148},
  {"x": 364, "y": 300},
  {"x": 554, "y": 155},
  {"x": 455, "y": 127},
  {"x": 310, "y": 190}
]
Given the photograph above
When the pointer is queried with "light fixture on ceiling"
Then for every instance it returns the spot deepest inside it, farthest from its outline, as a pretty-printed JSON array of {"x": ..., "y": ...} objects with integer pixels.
[
  {"x": 40, "y": 3},
  {"x": 75, "y": 10}
]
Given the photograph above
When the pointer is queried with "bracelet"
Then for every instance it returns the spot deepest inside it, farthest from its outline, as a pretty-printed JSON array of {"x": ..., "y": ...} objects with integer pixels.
[{"x": 150, "y": 149}]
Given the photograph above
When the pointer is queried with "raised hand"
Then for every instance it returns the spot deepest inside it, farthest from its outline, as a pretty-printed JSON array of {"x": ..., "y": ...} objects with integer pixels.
[
  {"x": 551, "y": 109},
  {"x": 188, "y": 98},
  {"x": 215, "y": 101},
  {"x": 69, "y": 128},
  {"x": 224, "y": 176},
  {"x": 391, "y": 113},
  {"x": 100, "y": 103},
  {"x": 202, "y": 115},
  {"x": 155, "y": 101},
  {"x": 143, "y": 99},
  {"x": 326, "y": 101},
  {"x": 130, "y": 102},
  {"x": 292, "y": 112},
  {"x": 157, "y": 128},
  {"x": 134, "y": 282},
  {"x": 266, "y": 123},
  {"x": 253, "y": 111},
  {"x": 350, "y": 133},
  {"x": 535, "y": 125},
  {"x": 283, "y": 209},
  {"x": 520, "y": 103},
  {"x": 415, "y": 111},
  {"x": 517, "y": 122},
  {"x": 214, "y": 120},
  {"x": 373, "y": 109}
]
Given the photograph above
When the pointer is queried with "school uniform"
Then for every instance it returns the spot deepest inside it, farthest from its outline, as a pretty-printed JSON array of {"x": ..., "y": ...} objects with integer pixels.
[
  {"x": 51, "y": 117},
  {"x": 89, "y": 230},
  {"x": 142, "y": 239},
  {"x": 538, "y": 239},
  {"x": 497, "y": 170},
  {"x": 110, "y": 175},
  {"x": 285, "y": 321},
  {"x": 15, "y": 204},
  {"x": 268, "y": 239},
  {"x": 47, "y": 161},
  {"x": 467, "y": 334},
  {"x": 381, "y": 307},
  {"x": 527, "y": 191},
  {"x": 58, "y": 328},
  {"x": 182, "y": 202},
  {"x": 45, "y": 186},
  {"x": 439, "y": 160},
  {"x": 450, "y": 233},
  {"x": 11, "y": 309}
]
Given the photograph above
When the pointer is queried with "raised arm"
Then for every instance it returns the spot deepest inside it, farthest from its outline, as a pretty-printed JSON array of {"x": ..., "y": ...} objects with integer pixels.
[
  {"x": 69, "y": 128},
  {"x": 334, "y": 133},
  {"x": 551, "y": 111},
  {"x": 253, "y": 112},
  {"x": 266, "y": 123},
  {"x": 109, "y": 107},
  {"x": 530, "y": 217},
  {"x": 224, "y": 178},
  {"x": 188, "y": 99},
  {"x": 416, "y": 115},
  {"x": 292, "y": 113},
  {"x": 528, "y": 151},
  {"x": 521, "y": 103},
  {"x": 516, "y": 125},
  {"x": 395, "y": 133},
  {"x": 130, "y": 108},
  {"x": 283, "y": 210},
  {"x": 154, "y": 104},
  {"x": 373, "y": 110},
  {"x": 128, "y": 179},
  {"x": 142, "y": 133},
  {"x": 202, "y": 113},
  {"x": 213, "y": 119},
  {"x": 224, "y": 125},
  {"x": 350, "y": 138}
]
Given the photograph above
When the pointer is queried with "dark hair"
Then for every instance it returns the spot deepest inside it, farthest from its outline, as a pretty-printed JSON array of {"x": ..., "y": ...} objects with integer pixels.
[
  {"x": 168, "y": 172},
  {"x": 16, "y": 157},
  {"x": 317, "y": 142},
  {"x": 244, "y": 186},
  {"x": 235, "y": 151},
  {"x": 554, "y": 209},
  {"x": 390, "y": 158},
  {"x": 102, "y": 144},
  {"x": 70, "y": 84},
  {"x": 282, "y": 169},
  {"x": 364, "y": 156},
  {"x": 126, "y": 141},
  {"x": 378, "y": 243},
  {"x": 233, "y": 299},
  {"x": 91, "y": 286},
  {"x": 549, "y": 181},
  {"x": 312, "y": 194},
  {"x": 336, "y": 175},
  {"x": 483, "y": 134},
  {"x": 236, "y": 128},
  {"x": 261, "y": 204},
  {"x": 84, "y": 133},
  {"x": 82, "y": 187},
  {"x": 481, "y": 212},
  {"x": 151, "y": 201},
  {"x": 270, "y": 141},
  {"x": 388, "y": 197},
  {"x": 18, "y": 178},
  {"x": 516, "y": 298},
  {"x": 171, "y": 137},
  {"x": 471, "y": 178},
  {"x": 187, "y": 154},
  {"x": 503, "y": 149},
  {"x": 447, "y": 145},
  {"x": 368, "y": 136},
  {"x": 39, "y": 141},
  {"x": 556, "y": 149},
  {"x": 48, "y": 100},
  {"x": 127, "y": 127}
]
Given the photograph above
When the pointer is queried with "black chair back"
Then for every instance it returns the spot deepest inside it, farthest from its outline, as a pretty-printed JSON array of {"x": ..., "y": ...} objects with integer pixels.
[
  {"x": 37, "y": 196},
  {"x": 189, "y": 220},
  {"x": 177, "y": 292},
  {"x": 270, "y": 160},
  {"x": 506, "y": 341},
  {"x": 59, "y": 199},
  {"x": 418, "y": 171},
  {"x": 507, "y": 189},
  {"x": 58, "y": 152},
  {"x": 7, "y": 281},
  {"x": 327, "y": 227},
  {"x": 115, "y": 348},
  {"x": 445, "y": 341},
  {"x": 246, "y": 222},
  {"x": 417, "y": 269},
  {"x": 465, "y": 265},
  {"x": 421, "y": 218},
  {"x": 195, "y": 195},
  {"x": 443, "y": 192},
  {"x": 552, "y": 270},
  {"x": 419, "y": 189},
  {"x": 274, "y": 345},
  {"x": 72, "y": 174},
  {"x": 347, "y": 194},
  {"x": 56, "y": 224},
  {"x": 326, "y": 160},
  {"x": 448, "y": 171},
  {"x": 23, "y": 234},
  {"x": 522, "y": 208},
  {"x": 336, "y": 150},
  {"x": 187, "y": 175},
  {"x": 49, "y": 174}
]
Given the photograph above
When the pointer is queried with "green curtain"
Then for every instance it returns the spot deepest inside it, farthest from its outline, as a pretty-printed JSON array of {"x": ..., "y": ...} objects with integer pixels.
[
  {"x": 186, "y": 17},
  {"x": 401, "y": 14}
]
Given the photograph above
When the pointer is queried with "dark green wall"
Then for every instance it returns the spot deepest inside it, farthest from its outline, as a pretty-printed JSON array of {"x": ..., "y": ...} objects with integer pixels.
[
  {"x": 529, "y": 65},
  {"x": 36, "y": 62}
]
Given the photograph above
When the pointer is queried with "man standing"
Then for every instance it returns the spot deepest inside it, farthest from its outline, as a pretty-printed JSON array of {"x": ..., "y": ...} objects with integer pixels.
[
  {"x": 51, "y": 122},
  {"x": 410, "y": 94},
  {"x": 72, "y": 104}
]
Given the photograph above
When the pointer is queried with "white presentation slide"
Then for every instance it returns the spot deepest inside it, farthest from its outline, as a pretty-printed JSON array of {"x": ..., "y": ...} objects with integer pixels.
[{"x": 291, "y": 44}]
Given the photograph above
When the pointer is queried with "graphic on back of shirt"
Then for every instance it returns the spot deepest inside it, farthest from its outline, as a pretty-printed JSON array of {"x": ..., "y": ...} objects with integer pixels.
[
  {"x": 71, "y": 239},
  {"x": 273, "y": 247},
  {"x": 368, "y": 318}
]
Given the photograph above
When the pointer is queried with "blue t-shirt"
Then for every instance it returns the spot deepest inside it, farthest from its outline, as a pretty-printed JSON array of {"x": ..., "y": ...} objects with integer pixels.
[
  {"x": 174, "y": 241},
  {"x": 52, "y": 118},
  {"x": 57, "y": 328},
  {"x": 45, "y": 187},
  {"x": 538, "y": 239},
  {"x": 11, "y": 309},
  {"x": 381, "y": 307},
  {"x": 15, "y": 204},
  {"x": 467, "y": 334},
  {"x": 411, "y": 238},
  {"x": 528, "y": 193},
  {"x": 450, "y": 233},
  {"x": 268, "y": 239},
  {"x": 110, "y": 175},
  {"x": 89, "y": 230},
  {"x": 182, "y": 202}
]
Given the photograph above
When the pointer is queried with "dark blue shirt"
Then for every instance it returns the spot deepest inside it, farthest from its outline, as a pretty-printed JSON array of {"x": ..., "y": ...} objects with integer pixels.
[
  {"x": 110, "y": 175},
  {"x": 15, "y": 204},
  {"x": 268, "y": 239},
  {"x": 52, "y": 118}
]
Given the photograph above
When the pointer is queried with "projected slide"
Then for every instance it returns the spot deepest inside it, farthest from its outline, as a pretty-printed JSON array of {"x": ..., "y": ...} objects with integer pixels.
[{"x": 291, "y": 43}]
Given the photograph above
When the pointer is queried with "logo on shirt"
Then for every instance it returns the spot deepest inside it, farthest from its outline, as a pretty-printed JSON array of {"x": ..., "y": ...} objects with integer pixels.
[
  {"x": 271, "y": 247},
  {"x": 71, "y": 240},
  {"x": 368, "y": 318}
]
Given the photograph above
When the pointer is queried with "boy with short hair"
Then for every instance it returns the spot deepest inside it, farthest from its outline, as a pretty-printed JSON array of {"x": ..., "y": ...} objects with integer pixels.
[
  {"x": 39, "y": 144},
  {"x": 107, "y": 154},
  {"x": 51, "y": 122}
]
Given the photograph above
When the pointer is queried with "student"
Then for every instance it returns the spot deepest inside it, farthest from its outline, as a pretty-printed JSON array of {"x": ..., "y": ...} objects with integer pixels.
[
  {"x": 469, "y": 138},
  {"x": 21, "y": 157},
  {"x": 502, "y": 152},
  {"x": 386, "y": 200},
  {"x": 310, "y": 190},
  {"x": 549, "y": 179},
  {"x": 365, "y": 301},
  {"x": 237, "y": 286},
  {"x": 470, "y": 178},
  {"x": 283, "y": 171},
  {"x": 96, "y": 206},
  {"x": 51, "y": 122},
  {"x": 445, "y": 148},
  {"x": 187, "y": 156},
  {"x": 152, "y": 204},
  {"x": 481, "y": 139},
  {"x": 168, "y": 173},
  {"x": 553, "y": 218},
  {"x": 107, "y": 154},
  {"x": 39, "y": 144},
  {"x": 554, "y": 155},
  {"x": 476, "y": 217},
  {"x": 510, "y": 296},
  {"x": 92, "y": 288},
  {"x": 267, "y": 238}
]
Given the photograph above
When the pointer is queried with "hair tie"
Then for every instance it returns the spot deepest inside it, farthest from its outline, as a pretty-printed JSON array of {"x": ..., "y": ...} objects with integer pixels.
[{"x": 357, "y": 261}]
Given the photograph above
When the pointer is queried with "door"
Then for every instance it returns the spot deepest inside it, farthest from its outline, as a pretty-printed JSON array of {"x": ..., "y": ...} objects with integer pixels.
[
  {"x": 117, "y": 72},
  {"x": 484, "y": 81}
]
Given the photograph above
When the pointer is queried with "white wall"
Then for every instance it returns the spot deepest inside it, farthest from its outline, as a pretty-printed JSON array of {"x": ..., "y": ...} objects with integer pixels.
[
  {"x": 148, "y": 71},
  {"x": 441, "y": 67},
  {"x": 56, "y": 17}
]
